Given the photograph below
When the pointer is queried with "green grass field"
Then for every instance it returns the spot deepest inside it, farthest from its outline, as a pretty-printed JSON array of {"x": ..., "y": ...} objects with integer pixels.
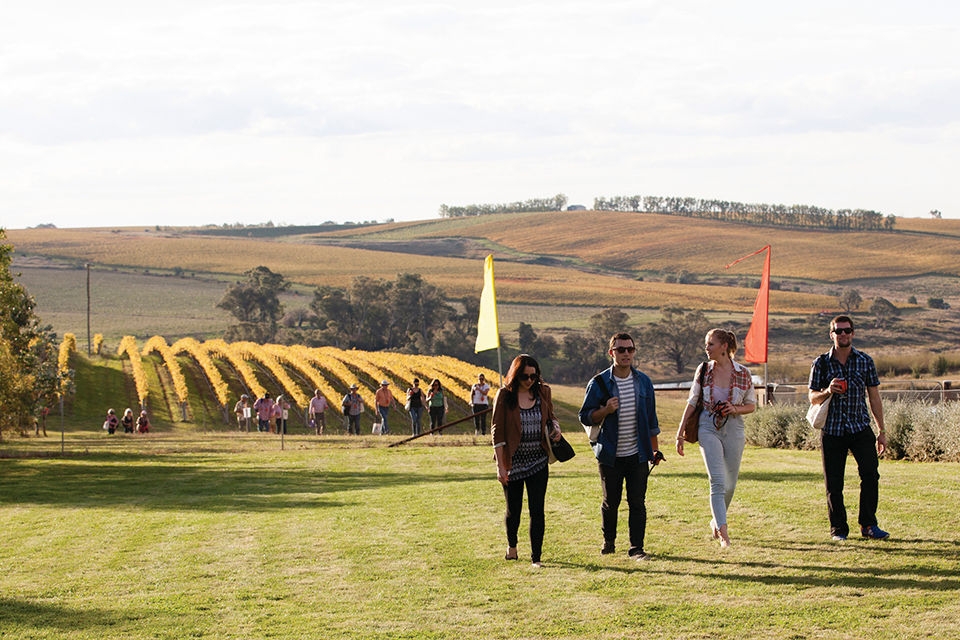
[{"x": 226, "y": 536}]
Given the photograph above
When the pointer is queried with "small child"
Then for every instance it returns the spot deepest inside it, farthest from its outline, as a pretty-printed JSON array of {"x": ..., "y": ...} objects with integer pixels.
[{"x": 143, "y": 423}]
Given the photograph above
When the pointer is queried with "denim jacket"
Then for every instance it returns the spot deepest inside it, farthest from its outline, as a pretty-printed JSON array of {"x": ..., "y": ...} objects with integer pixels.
[{"x": 605, "y": 448}]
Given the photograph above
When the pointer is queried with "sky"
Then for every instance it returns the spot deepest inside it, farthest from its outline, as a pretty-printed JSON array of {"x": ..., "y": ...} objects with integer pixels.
[{"x": 119, "y": 113}]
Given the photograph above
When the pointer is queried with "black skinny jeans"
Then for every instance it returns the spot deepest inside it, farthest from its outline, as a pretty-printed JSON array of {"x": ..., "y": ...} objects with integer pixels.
[
  {"x": 863, "y": 446},
  {"x": 633, "y": 473},
  {"x": 536, "y": 496}
]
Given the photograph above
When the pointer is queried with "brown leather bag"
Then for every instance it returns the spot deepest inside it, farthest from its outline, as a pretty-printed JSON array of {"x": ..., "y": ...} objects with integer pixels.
[{"x": 690, "y": 427}]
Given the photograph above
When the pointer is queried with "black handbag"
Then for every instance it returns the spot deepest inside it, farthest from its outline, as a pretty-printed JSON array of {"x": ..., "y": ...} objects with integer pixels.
[{"x": 562, "y": 450}]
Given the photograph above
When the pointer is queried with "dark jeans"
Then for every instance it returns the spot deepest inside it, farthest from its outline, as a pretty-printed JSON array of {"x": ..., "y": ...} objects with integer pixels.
[
  {"x": 834, "y": 450},
  {"x": 480, "y": 422},
  {"x": 633, "y": 473},
  {"x": 353, "y": 424},
  {"x": 536, "y": 493},
  {"x": 436, "y": 417}
]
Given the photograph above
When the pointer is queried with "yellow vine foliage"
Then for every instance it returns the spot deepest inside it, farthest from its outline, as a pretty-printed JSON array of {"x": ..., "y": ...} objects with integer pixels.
[
  {"x": 97, "y": 343},
  {"x": 334, "y": 361},
  {"x": 128, "y": 347},
  {"x": 226, "y": 351},
  {"x": 159, "y": 344},
  {"x": 68, "y": 346},
  {"x": 195, "y": 350},
  {"x": 296, "y": 357},
  {"x": 253, "y": 351},
  {"x": 329, "y": 369}
]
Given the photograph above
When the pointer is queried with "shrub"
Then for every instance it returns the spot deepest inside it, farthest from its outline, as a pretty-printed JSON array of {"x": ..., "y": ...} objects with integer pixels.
[
  {"x": 915, "y": 430},
  {"x": 898, "y": 420},
  {"x": 940, "y": 366},
  {"x": 781, "y": 426}
]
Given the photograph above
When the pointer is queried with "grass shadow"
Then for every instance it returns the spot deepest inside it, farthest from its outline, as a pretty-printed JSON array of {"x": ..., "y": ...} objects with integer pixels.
[{"x": 148, "y": 483}]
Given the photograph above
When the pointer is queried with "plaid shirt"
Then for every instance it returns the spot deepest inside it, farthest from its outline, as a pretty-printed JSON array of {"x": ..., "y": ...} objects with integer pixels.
[
  {"x": 848, "y": 411},
  {"x": 741, "y": 388}
]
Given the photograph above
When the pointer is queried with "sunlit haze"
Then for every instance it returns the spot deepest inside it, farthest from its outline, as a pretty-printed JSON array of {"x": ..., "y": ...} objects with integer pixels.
[{"x": 209, "y": 112}]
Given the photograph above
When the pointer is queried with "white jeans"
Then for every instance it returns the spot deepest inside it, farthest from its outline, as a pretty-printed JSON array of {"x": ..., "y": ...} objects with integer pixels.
[{"x": 722, "y": 451}]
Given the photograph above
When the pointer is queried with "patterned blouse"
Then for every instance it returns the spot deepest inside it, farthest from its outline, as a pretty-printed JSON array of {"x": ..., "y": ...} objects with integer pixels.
[{"x": 529, "y": 458}]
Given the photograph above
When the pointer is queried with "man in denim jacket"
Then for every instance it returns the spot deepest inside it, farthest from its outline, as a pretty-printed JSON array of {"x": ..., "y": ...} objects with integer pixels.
[{"x": 620, "y": 400}]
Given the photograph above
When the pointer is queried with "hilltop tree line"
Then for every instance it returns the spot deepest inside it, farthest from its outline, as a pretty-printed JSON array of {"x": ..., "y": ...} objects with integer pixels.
[
  {"x": 28, "y": 353},
  {"x": 556, "y": 203},
  {"x": 796, "y": 215}
]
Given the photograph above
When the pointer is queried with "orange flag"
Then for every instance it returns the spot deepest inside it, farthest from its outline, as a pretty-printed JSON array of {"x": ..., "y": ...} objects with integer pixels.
[{"x": 755, "y": 344}]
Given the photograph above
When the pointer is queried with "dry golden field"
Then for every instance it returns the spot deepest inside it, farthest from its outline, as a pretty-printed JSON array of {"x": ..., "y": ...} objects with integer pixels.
[
  {"x": 316, "y": 264},
  {"x": 589, "y": 259},
  {"x": 652, "y": 242}
]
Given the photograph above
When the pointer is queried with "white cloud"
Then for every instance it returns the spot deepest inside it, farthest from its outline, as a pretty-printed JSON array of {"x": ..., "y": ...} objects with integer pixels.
[{"x": 213, "y": 111}]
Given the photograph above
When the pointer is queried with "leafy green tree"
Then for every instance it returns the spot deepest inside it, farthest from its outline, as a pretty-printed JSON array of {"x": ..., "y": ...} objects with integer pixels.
[
  {"x": 883, "y": 311},
  {"x": 416, "y": 308},
  {"x": 537, "y": 346},
  {"x": 849, "y": 299},
  {"x": 584, "y": 355},
  {"x": 28, "y": 354},
  {"x": 677, "y": 337},
  {"x": 526, "y": 336},
  {"x": 256, "y": 299},
  {"x": 407, "y": 314},
  {"x": 605, "y": 324}
]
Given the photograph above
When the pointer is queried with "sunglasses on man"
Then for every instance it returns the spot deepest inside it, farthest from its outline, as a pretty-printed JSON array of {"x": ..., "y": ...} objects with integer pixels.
[
  {"x": 622, "y": 350},
  {"x": 839, "y": 330}
]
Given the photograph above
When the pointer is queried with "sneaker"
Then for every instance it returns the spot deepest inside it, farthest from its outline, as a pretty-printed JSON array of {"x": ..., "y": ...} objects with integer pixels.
[
  {"x": 838, "y": 537},
  {"x": 873, "y": 531},
  {"x": 641, "y": 557},
  {"x": 608, "y": 547}
]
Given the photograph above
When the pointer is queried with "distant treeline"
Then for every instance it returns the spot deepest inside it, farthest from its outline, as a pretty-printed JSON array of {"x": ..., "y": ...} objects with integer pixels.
[
  {"x": 795, "y": 215},
  {"x": 556, "y": 203},
  {"x": 269, "y": 230}
]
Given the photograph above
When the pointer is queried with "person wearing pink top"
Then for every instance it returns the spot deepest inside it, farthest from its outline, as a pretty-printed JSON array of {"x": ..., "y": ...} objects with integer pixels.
[
  {"x": 318, "y": 404},
  {"x": 264, "y": 408},
  {"x": 281, "y": 410}
]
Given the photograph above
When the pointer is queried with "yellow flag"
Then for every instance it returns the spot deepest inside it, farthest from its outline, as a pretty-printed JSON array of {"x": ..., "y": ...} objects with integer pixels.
[{"x": 488, "y": 329}]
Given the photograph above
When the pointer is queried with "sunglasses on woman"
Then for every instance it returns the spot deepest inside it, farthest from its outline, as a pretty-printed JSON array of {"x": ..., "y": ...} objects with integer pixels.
[{"x": 523, "y": 377}]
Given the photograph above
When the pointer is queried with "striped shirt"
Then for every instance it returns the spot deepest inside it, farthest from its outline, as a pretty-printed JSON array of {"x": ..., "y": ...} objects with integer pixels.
[{"x": 627, "y": 414}]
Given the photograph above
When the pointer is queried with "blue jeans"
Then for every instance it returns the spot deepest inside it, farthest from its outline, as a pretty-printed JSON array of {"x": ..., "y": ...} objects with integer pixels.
[
  {"x": 383, "y": 411},
  {"x": 722, "y": 450},
  {"x": 415, "y": 416}
]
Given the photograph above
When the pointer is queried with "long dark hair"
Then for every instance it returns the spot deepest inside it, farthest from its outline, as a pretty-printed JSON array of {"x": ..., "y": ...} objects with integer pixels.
[{"x": 510, "y": 382}]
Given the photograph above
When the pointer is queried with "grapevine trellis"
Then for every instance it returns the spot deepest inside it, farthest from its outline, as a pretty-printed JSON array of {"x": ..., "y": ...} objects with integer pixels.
[
  {"x": 294, "y": 371},
  {"x": 128, "y": 347}
]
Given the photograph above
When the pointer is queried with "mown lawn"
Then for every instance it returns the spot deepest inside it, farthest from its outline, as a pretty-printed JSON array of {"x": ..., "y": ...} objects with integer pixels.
[{"x": 227, "y": 536}]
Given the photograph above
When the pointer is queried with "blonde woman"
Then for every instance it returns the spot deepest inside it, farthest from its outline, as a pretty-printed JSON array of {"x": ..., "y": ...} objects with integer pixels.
[{"x": 728, "y": 395}]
